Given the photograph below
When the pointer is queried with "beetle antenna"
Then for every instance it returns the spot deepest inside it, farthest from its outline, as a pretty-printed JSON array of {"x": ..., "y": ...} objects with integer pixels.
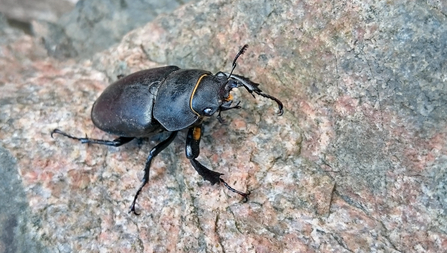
[{"x": 242, "y": 51}]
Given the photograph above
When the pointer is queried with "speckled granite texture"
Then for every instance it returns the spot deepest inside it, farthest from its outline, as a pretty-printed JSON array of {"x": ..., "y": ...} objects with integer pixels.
[{"x": 357, "y": 163}]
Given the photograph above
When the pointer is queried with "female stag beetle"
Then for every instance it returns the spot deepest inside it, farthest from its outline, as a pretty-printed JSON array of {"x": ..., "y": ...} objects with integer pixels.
[{"x": 167, "y": 99}]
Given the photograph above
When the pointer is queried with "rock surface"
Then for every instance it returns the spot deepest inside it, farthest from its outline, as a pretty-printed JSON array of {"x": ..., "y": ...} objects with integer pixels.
[
  {"x": 96, "y": 25},
  {"x": 28, "y": 10},
  {"x": 357, "y": 163}
]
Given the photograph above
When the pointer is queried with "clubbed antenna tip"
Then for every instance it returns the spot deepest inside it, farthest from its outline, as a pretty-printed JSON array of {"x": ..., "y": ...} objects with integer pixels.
[{"x": 242, "y": 51}]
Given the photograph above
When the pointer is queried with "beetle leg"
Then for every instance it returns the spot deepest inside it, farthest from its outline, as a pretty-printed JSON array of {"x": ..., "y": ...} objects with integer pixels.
[
  {"x": 116, "y": 143},
  {"x": 193, "y": 151},
  {"x": 153, "y": 153},
  {"x": 225, "y": 107}
]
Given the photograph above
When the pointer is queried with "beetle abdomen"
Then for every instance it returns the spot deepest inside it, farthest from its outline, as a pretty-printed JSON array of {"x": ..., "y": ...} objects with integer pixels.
[{"x": 125, "y": 107}]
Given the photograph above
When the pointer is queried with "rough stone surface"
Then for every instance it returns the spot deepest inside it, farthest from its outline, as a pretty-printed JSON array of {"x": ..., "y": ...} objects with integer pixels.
[
  {"x": 94, "y": 26},
  {"x": 28, "y": 10},
  {"x": 14, "y": 215},
  {"x": 357, "y": 163}
]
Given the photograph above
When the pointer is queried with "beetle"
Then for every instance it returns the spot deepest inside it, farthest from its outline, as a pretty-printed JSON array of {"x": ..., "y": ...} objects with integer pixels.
[{"x": 169, "y": 99}]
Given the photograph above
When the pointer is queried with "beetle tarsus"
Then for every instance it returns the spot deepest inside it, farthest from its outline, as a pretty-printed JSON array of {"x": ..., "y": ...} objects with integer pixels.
[
  {"x": 115, "y": 143},
  {"x": 214, "y": 177},
  {"x": 243, "y": 194},
  {"x": 57, "y": 131}
]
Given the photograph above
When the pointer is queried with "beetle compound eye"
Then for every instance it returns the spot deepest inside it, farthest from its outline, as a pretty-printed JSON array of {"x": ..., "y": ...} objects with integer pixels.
[{"x": 208, "y": 111}]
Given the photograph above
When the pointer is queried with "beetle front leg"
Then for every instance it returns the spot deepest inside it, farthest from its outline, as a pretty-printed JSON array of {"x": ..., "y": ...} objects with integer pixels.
[
  {"x": 153, "y": 153},
  {"x": 193, "y": 151},
  {"x": 225, "y": 107}
]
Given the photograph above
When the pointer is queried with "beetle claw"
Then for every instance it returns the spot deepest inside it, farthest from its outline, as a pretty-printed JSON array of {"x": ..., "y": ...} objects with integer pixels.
[
  {"x": 246, "y": 196},
  {"x": 57, "y": 131},
  {"x": 132, "y": 209},
  {"x": 52, "y": 132}
]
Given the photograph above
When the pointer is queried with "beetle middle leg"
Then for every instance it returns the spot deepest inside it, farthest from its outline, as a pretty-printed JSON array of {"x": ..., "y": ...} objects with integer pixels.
[
  {"x": 153, "y": 153},
  {"x": 123, "y": 140},
  {"x": 193, "y": 151}
]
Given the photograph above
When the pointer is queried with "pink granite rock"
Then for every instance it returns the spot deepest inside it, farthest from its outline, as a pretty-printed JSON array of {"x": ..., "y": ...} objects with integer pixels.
[{"x": 357, "y": 163}]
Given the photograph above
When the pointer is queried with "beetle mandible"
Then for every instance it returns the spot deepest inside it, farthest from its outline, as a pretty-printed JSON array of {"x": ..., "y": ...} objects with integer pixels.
[{"x": 170, "y": 99}]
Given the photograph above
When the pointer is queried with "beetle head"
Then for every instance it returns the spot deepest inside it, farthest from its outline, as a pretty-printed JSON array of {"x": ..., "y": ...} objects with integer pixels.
[
  {"x": 213, "y": 93},
  {"x": 209, "y": 95}
]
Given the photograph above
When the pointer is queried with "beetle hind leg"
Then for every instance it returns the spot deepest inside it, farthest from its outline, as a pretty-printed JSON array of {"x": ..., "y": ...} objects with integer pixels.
[{"x": 115, "y": 143}]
